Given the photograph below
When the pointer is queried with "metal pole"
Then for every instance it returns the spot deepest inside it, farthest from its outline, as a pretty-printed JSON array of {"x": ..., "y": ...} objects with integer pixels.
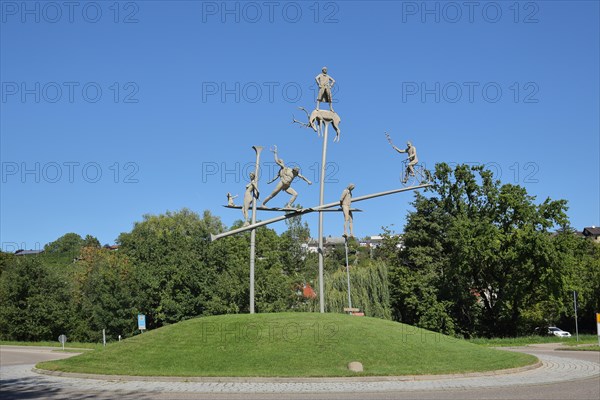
[
  {"x": 348, "y": 271},
  {"x": 104, "y": 337},
  {"x": 575, "y": 306},
  {"x": 321, "y": 202},
  {"x": 257, "y": 149}
]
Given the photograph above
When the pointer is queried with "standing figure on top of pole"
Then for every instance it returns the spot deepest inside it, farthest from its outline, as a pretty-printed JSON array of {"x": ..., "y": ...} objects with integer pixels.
[
  {"x": 250, "y": 194},
  {"x": 345, "y": 203},
  {"x": 325, "y": 83},
  {"x": 286, "y": 176}
]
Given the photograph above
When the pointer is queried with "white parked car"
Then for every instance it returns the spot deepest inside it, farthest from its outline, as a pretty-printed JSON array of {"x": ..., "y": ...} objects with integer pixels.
[{"x": 558, "y": 332}]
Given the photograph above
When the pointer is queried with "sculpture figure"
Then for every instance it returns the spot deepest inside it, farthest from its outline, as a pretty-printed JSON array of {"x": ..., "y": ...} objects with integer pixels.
[
  {"x": 320, "y": 118},
  {"x": 230, "y": 199},
  {"x": 250, "y": 194},
  {"x": 286, "y": 176},
  {"x": 325, "y": 83},
  {"x": 345, "y": 203},
  {"x": 411, "y": 152}
]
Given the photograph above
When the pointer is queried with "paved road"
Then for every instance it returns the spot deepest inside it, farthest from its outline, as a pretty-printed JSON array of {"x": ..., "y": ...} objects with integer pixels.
[
  {"x": 563, "y": 375},
  {"x": 23, "y": 355}
]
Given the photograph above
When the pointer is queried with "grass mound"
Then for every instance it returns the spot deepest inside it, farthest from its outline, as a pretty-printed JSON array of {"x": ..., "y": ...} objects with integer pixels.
[{"x": 289, "y": 344}]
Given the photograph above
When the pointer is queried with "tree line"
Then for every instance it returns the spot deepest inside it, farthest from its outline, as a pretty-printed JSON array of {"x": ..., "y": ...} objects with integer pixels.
[{"x": 477, "y": 258}]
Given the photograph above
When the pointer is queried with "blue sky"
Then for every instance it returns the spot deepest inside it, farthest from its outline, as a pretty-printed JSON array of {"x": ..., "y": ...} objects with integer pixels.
[{"x": 112, "y": 110}]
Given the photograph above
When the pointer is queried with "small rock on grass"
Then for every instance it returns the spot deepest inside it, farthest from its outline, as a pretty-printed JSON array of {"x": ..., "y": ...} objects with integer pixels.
[{"x": 355, "y": 366}]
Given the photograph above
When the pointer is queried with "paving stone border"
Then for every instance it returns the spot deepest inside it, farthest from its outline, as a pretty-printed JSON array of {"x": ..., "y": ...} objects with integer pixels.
[
  {"x": 226, "y": 379},
  {"x": 553, "y": 369}
]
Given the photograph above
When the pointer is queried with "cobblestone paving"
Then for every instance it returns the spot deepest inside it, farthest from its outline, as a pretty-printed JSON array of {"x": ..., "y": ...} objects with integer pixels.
[{"x": 554, "y": 369}]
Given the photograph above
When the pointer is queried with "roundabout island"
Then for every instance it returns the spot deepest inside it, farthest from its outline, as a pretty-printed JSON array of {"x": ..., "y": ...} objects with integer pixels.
[{"x": 297, "y": 345}]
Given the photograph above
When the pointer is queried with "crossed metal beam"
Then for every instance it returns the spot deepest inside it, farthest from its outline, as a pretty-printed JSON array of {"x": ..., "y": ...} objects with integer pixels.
[{"x": 303, "y": 211}]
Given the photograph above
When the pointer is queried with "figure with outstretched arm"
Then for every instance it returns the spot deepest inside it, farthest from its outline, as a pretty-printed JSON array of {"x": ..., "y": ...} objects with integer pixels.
[
  {"x": 411, "y": 152},
  {"x": 286, "y": 176},
  {"x": 230, "y": 198},
  {"x": 345, "y": 203},
  {"x": 250, "y": 194}
]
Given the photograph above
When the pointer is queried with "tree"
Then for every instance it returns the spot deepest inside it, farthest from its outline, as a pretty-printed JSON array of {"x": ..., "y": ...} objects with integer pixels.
[
  {"x": 102, "y": 296},
  {"x": 35, "y": 301},
  {"x": 477, "y": 255},
  {"x": 368, "y": 289},
  {"x": 171, "y": 267},
  {"x": 230, "y": 257},
  {"x": 293, "y": 254},
  {"x": 69, "y": 243},
  {"x": 91, "y": 241},
  {"x": 583, "y": 276}
]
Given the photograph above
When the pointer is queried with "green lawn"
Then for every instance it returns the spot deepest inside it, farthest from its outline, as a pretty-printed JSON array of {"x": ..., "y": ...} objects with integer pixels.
[
  {"x": 526, "y": 340},
  {"x": 68, "y": 345},
  {"x": 583, "y": 339},
  {"x": 581, "y": 348},
  {"x": 289, "y": 344}
]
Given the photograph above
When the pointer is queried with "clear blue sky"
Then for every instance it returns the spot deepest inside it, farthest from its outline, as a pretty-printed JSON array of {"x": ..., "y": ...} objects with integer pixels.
[{"x": 165, "y": 99}]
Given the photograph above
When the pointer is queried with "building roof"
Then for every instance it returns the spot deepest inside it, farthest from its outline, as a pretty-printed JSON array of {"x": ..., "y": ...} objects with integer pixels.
[
  {"x": 308, "y": 292},
  {"x": 591, "y": 231},
  {"x": 27, "y": 252}
]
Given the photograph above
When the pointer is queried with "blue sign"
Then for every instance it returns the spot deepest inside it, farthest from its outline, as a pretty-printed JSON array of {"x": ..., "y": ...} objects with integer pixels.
[{"x": 141, "y": 322}]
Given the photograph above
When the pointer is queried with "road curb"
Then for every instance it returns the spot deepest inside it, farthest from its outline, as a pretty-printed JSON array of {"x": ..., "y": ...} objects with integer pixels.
[{"x": 401, "y": 378}]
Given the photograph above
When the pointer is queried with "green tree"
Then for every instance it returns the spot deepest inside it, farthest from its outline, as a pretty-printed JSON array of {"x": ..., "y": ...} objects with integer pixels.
[
  {"x": 35, "y": 301},
  {"x": 477, "y": 255},
  {"x": 230, "y": 257},
  {"x": 69, "y": 243},
  {"x": 293, "y": 256},
  {"x": 368, "y": 289},
  {"x": 90, "y": 241},
  {"x": 583, "y": 276},
  {"x": 170, "y": 254},
  {"x": 102, "y": 296}
]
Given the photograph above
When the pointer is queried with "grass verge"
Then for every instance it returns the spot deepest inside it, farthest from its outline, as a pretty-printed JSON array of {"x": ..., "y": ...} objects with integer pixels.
[
  {"x": 527, "y": 340},
  {"x": 581, "y": 348},
  {"x": 73, "y": 345},
  {"x": 286, "y": 345}
]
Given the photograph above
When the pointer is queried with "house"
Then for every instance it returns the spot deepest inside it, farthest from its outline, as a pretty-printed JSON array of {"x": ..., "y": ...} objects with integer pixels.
[
  {"x": 328, "y": 243},
  {"x": 592, "y": 233},
  {"x": 311, "y": 247},
  {"x": 376, "y": 241}
]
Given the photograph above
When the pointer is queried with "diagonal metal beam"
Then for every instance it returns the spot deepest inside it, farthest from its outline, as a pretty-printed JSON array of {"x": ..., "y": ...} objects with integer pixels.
[{"x": 303, "y": 211}]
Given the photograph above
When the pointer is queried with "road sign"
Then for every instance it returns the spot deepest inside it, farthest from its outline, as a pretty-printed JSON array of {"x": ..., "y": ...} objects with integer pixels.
[
  {"x": 62, "y": 339},
  {"x": 141, "y": 322},
  {"x": 598, "y": 327}
]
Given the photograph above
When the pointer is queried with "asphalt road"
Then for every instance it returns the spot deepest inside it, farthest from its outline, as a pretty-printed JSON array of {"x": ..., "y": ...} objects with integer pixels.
[
  {"x": 23, "y": 355},
  {"x": 18, "y": 382}
]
